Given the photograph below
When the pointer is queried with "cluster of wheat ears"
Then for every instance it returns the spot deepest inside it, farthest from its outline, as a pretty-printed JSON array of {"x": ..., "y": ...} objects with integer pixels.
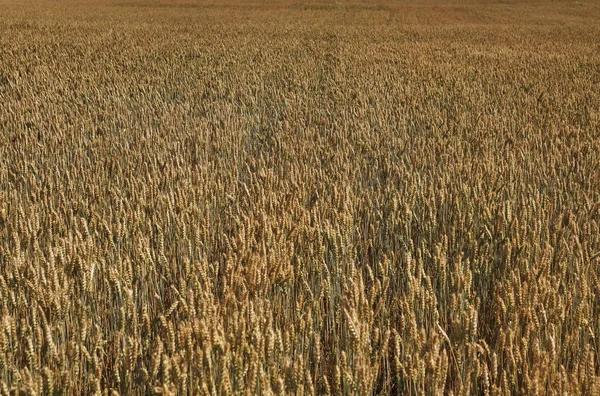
[{"x": 299, "y": 198}]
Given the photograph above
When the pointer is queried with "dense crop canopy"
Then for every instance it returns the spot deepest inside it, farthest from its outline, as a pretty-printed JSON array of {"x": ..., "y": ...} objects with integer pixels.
[{"x": 264, "y": 197}]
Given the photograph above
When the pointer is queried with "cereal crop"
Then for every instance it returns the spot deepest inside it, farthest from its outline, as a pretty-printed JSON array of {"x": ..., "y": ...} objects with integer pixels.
[{"x": 299, "y": 197}]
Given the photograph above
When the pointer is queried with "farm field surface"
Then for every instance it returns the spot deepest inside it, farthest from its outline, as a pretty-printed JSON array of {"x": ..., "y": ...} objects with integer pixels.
[{"x": 299, "y": 197}]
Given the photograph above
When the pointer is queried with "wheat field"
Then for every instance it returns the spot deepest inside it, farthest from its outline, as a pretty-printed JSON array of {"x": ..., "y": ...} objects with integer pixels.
[{"x": 278, "y": 197}]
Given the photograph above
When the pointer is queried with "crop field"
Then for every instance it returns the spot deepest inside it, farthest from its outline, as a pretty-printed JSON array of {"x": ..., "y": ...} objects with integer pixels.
[{"x": 299, "y": 197}]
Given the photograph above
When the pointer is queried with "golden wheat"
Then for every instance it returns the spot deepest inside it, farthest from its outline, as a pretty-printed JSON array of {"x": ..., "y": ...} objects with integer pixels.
[{"x": 299, "y": 197}]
